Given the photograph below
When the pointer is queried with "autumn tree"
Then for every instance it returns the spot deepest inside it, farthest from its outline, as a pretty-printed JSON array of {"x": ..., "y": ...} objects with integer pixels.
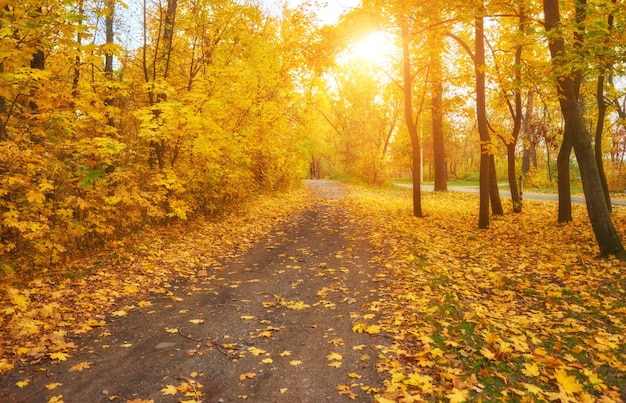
[
  {"x": 568, "y": 90},
  {"x": 436, "y": 78}
]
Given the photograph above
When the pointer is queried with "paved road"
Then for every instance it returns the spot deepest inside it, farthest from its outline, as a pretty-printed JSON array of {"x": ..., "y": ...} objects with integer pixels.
[{"x": 506, "y": 193}]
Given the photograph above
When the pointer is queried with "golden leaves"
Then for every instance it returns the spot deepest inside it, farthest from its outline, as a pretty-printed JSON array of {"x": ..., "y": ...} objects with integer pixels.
[
  {"x": 60, "y": 356},
  {"x": 80, "y": 366},
  {"x": 525, "y": 301}
]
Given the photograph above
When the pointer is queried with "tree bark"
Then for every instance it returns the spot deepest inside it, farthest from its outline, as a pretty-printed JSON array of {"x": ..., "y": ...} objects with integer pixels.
[
  {"x": 494, "y": 192},
  {"x": 481, "y": 116},
  {"x": 108, "y": 57},
  {"x": 439, "y": 154},
  {"x": 411, "y": 125},
  {"x": 606, "y": 235},
  {"x": 529, "y": 157},
  {"x": 562, "y": 166}
]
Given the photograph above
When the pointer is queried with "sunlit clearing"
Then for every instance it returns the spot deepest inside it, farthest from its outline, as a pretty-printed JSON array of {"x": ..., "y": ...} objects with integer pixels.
[{"x": 378, "y": 48}]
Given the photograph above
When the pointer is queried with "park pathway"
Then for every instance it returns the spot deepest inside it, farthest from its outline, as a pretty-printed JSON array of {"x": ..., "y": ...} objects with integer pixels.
[{"x": 274, "y": 325}]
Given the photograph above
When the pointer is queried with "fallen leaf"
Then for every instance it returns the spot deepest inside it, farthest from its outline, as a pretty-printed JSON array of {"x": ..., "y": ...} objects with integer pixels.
[
  {"x": 23, "y": 383},
  {"x": 295, "y": 363},
  {"x": 54, "y": 385},
  {"x": 59, "y": 356},
  {"x": 80, "y": 366},
  {"x": 247, "y": 375},
  {"x": 196, "y": 321},
  {"x": 169, "y": 390}
]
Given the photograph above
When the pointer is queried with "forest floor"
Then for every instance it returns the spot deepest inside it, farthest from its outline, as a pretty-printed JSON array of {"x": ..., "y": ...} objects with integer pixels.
[
  {"x": 332, "y": 294},
  {"x": 274, "y": 324}
]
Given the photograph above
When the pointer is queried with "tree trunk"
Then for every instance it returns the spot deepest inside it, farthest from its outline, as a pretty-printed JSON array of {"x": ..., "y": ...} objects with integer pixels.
[
  {"x": 108, "y": 57},
  {"x": 562, "y": 166},
  {"x": 494, "y": 192},
  {"x": 411, "y": 125},
  {"x": 3, "y": 112},
  {"x": 606, "y": 235},
  {"x": 483, "y": 129},
  {"x": 600, "y": 126},
  {"x": 516, "y": 111},
  {"x": 529, "y": 157},
  {"x": 439, "y": 154}
]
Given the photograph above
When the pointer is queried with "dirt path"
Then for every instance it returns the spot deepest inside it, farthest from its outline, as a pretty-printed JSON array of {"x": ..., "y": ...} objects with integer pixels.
[{"x": 274, "y": 325}]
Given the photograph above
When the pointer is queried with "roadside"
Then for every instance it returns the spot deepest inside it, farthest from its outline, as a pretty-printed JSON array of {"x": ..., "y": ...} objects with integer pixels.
[
  {"x": 273, "y": 325},
  {"x": 506, "y": 193}
]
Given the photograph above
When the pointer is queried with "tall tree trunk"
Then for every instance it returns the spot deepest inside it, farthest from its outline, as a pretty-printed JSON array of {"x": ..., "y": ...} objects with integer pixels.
[
  {"x": 606, "y": 235},
  {"x": 562, "y": 166},
  {"x": 481, "y": 116},
  {"x": 439, "y": 154},
  {"x": 494, "y": 192},
  {"x": 108, "y": 57},
  {"x": 600, "y": 125},
  {"x": 411, "y": 124},
  {"x": 529, "y": 157},
  {"x": 516, "y": 111},
  {"x": 3, "y": 112}
]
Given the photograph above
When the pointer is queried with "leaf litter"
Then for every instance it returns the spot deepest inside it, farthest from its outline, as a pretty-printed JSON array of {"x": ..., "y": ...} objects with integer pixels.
[{"x": 523, "y": 311}]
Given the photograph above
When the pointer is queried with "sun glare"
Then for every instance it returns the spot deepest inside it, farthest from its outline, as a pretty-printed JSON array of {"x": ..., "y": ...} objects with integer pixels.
[{"x": 377, "y": 48}]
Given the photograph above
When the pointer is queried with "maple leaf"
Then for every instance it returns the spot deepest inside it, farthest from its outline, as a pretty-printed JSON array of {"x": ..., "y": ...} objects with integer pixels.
[
  {"x": 59, "y": 356},
  {"x": 119, "y": 313},
  {"x": 267, "y": 361},
  {"x": 143, "y": 304},
  {"x": 196, "y": 321},
  {"x": 55, "y": 399},
  {"x": 80, "y": 366},
  {"x": 256, "y": 351},
  {"x": 23, "y": 383},
  {"x": 5, "y": 366},
  {"x": 334, "y": 356},
  {"x": 457, "y": 396},
  {"x": 285, "y": 353},
  {"x": 335, "y": 364},
  {"x": 567, "y": 383},
  {"x": 295, "y": 363},
  {"x": 530, "y": 369},
  {"x": 488, "y": 353},
  {"x": 169, "y": 390},
  {"x": 54, "y": 385}
]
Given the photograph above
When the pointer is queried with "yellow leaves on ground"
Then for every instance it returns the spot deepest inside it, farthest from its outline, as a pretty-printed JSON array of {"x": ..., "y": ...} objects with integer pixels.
[
  {"x": 80, "y": 366},
  {"x": 59, "y": 356},
  {"x": 196, "y": 321},
  {"x": 335, "y": 360},
  {"x": 567, "y": 383},
  {"x": 247, "y": 375},
  {"x": 521, "y": 311},
  {"x": 37, "y": 317},
  {"x": 295, "y": 363},
  {"x": 23, "y": 383},
  {"x": 169, "y": 390}
]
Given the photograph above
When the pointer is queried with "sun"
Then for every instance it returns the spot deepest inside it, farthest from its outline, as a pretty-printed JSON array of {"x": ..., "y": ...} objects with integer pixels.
[{"x": 378, "y": 48}]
